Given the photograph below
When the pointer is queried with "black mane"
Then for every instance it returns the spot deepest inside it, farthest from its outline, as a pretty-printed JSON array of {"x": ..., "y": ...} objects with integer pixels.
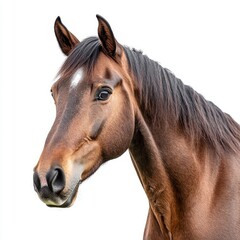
[
  {"x": 167, "y": 100},
  {"x": 84, "y": 54}
]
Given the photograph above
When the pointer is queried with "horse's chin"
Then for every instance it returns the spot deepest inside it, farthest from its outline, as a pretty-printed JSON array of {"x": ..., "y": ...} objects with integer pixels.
[{"x": 70, "y": 199}]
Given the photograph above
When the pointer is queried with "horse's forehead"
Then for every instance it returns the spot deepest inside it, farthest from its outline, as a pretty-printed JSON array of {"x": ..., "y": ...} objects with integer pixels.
[
  {"x": 77, "y": 77},
  {"x": 105, "y": 67}
]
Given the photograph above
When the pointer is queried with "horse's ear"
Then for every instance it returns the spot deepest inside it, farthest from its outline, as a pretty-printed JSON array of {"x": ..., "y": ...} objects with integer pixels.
[
  {"x": 66, "y": 40},
  {"x": 108, "y": 41}
]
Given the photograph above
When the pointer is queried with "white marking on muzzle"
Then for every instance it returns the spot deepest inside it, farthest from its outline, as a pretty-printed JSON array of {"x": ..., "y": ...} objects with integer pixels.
[
  {"x": 80, "y": 169},
  {"x": 77, "y": 170},
  {"x": 77, "y": 77}
]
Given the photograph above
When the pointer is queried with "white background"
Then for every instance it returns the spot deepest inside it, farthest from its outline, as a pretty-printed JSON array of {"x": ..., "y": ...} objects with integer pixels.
[{"x": 198, "y": 40}]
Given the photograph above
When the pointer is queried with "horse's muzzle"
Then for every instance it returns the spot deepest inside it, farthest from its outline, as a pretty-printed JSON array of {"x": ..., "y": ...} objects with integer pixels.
[{"x": 50, "y": 187}]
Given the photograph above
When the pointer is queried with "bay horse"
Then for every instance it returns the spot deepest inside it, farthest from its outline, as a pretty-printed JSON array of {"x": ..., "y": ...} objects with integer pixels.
[{"x": 186, "y": 151}]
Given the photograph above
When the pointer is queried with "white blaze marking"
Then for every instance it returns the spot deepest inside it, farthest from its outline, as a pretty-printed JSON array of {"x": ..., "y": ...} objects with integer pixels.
[{"x": 77, "y": 77}]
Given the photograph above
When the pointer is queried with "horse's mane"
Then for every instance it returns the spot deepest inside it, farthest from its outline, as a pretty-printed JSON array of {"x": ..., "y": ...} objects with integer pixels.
[
  {"x": 163, "y": 96},
  {"x": 84, "y": 54}
]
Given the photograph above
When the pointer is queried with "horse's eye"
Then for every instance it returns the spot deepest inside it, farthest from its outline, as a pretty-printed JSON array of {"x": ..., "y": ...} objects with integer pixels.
[{"x": 104, "y": 94}]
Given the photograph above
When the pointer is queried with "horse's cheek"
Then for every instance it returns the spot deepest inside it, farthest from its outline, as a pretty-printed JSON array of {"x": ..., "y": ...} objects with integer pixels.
[{"x": 115, "y": 144}]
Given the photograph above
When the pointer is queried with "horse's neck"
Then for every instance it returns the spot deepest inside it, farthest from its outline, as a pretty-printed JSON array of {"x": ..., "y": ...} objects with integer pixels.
[{"x": 164, "y": 162}]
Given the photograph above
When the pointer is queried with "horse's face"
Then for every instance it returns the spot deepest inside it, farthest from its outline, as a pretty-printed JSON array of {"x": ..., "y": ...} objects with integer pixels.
[{"x": 94, "y": 120}]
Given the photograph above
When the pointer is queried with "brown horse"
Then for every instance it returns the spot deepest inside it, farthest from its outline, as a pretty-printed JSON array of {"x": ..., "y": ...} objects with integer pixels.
[{"x": 185, "y": 150}]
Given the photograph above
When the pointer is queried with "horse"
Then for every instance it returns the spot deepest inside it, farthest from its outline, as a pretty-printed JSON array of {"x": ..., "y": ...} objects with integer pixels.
[{"x": 186, "y": 151}]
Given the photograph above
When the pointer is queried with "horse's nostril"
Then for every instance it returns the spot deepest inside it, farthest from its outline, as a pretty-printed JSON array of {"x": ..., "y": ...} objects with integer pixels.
[
  {"x": 56, "y": 180},
  {"x": 36, "y": 182}
]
